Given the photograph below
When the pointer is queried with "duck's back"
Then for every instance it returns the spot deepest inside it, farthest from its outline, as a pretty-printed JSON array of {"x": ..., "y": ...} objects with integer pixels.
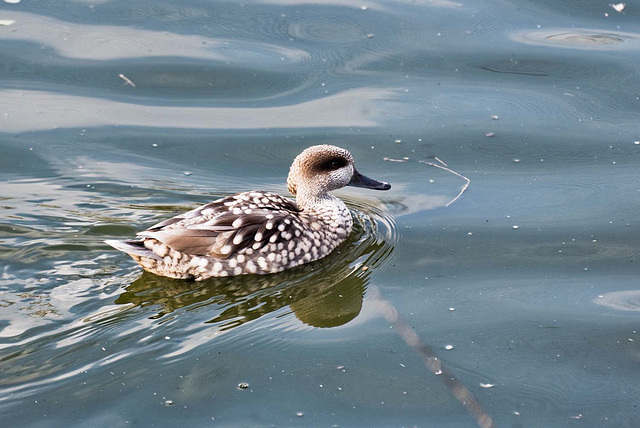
[{"x": 251, "y": 232}]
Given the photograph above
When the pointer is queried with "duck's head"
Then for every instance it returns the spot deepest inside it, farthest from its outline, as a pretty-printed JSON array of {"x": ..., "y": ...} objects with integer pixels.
[{"x": 320, "y": 169}]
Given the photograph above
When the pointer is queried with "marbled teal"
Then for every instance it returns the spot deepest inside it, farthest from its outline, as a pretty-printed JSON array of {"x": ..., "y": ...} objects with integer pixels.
[{"x": 257, "y": 232}]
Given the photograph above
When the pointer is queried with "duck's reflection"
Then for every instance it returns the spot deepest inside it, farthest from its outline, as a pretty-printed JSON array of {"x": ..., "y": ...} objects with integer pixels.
[{"x": 327, "y": 293}]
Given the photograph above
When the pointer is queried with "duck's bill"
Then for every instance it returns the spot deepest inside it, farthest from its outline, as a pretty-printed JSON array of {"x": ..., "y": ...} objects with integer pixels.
[{"x": 359, "y": 180}]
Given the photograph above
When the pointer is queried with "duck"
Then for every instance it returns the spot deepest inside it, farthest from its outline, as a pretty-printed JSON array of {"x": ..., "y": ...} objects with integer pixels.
[{"x": 257, "y": 232}]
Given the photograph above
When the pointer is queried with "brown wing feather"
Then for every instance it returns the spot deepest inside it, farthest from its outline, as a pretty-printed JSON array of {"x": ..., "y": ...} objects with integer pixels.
[{"x": 221, "y": 229}]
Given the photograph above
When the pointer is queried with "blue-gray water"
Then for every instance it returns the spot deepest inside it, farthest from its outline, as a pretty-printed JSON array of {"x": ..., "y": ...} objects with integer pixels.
[{"x": 543, "y": 317}]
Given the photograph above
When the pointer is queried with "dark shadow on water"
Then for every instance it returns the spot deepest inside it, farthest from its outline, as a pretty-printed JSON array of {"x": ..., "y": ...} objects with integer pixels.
[{"x": 326, "y": 293}]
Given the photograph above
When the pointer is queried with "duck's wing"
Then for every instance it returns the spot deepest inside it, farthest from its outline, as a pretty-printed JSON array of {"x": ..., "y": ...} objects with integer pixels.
[
  {"x": 196, "y": 213},
  {"x": 226, "y": 226}
]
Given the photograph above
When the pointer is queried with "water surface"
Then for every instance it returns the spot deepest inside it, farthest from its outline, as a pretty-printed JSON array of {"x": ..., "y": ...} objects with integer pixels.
[{"x": 526, "y": 288}]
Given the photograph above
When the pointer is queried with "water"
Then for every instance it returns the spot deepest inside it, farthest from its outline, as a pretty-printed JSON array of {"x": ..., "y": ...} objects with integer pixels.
[{"x": 544, "y": 326}]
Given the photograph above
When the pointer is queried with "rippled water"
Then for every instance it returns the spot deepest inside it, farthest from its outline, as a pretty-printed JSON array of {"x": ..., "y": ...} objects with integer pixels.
[{"x": 117, "y": 114}]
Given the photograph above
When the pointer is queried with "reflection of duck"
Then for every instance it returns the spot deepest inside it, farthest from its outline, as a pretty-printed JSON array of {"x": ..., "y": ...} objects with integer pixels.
[
  {"x": 257, "y": 232},
  {"x": 329, "y": 293}
]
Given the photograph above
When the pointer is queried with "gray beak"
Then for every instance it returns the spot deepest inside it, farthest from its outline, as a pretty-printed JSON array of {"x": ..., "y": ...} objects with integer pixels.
[{"x": 359, "y": 180}]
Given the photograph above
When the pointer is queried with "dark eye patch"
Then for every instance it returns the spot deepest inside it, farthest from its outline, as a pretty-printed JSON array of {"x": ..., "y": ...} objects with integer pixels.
[{"x": 333, "y": 163}]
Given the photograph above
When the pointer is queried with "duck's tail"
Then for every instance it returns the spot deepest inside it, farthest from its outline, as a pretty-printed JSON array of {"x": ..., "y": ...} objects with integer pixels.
[{"x": 135, "y": 247}]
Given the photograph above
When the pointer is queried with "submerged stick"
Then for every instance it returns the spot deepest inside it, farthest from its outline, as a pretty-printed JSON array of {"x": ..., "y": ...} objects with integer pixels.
[
  {"x": 127, "y": 80},
  {"x": 452, "y": 172},
  {"x": 433, "y": 363},
  {"x": 410, "y": 337}
]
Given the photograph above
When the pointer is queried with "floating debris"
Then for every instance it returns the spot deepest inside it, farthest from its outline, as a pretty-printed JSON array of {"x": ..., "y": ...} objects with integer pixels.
[
  {"x": 364, "y": 7},
  {"x": 578, "y": 416},
  {"x": 187, "y": 173},
  {"x": 299, "y": 414},
  {"x": 452, "y": 309},
  {"x": 637, "y": 143},
  {"x": 167, "y": 337},
  {"x": 12, "y": 1},
  {"x": 448, "y": 347},
  {"x": 394, "y": 160},
  {"x": 487, "y": 385},
  {"x": 126, "y": 79},
  {"x": 515, "y": 227},
  {"x": 618, "y": 7},
  {"x": 398, "y": 141},
  {"x": 440, "y": 160},
  {"x": 516, "y": 160},
  {"x": 370, "y": 36},
  {"x": 494, "y": 117},
  {"x": 243, "y": 385},
  {"x": 452, "y": 172},
  {"x": 365, "y": 268},
  {"x": 7, "y": 22},
  {"x": 490, "y": 134},
  {"x": 168, "y": 402}
]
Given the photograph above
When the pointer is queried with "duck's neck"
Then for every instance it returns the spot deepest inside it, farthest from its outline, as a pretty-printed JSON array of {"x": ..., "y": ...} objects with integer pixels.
[
  {"x": 318, "y": 202},
  {"x": 329, "y": 212}
]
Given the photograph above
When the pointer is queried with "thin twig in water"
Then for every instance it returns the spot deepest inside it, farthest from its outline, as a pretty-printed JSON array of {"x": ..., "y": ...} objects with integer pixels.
[
  {"x": 433, "y": 363},
  {"x": 452, "y": 172},
  {"x": 127, "y": 80},
  {"x": 395, "y": 160},
  {"x": 440, "y": 160}
]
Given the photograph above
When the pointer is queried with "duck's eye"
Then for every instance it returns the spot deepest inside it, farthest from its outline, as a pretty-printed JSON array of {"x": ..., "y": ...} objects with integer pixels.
[{"x": 333, "y": 164}]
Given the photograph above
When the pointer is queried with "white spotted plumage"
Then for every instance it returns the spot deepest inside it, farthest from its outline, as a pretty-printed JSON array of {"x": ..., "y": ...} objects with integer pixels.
[{"x": 256, "y": 232}]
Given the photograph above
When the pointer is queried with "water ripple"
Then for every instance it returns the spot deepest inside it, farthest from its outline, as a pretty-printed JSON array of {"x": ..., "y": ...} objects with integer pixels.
[
  {"x": 356, "y": 107},
  {"x": 628, "y": 300},
  {"x": 110, "y": 42},
  {"x": 579, "y": 38},
  {"x": 367, "y": 4},
  {"x": 117, "y": 324},
  {"x": 319, "y": 29}
]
